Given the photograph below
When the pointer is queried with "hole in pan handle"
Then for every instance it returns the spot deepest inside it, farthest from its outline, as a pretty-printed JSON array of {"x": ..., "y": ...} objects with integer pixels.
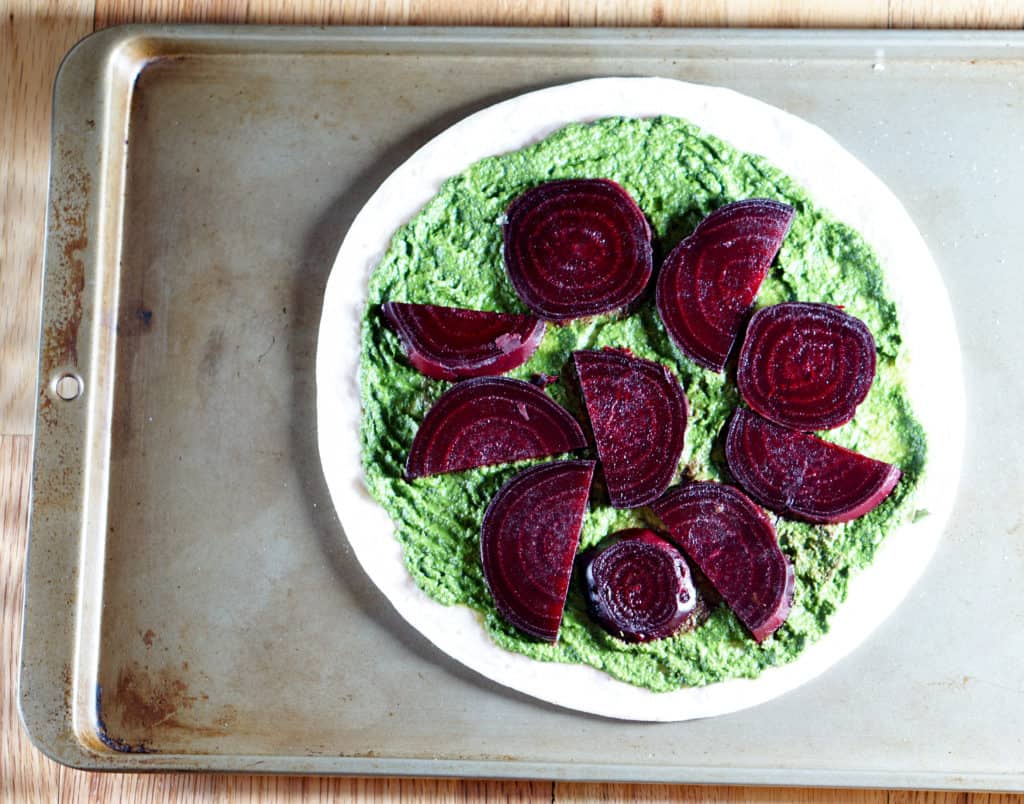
[{"x": 68, "y": 386}]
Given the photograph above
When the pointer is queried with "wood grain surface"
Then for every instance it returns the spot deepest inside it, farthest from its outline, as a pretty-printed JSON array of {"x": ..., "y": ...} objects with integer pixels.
[{"x": 33, "y": 39}]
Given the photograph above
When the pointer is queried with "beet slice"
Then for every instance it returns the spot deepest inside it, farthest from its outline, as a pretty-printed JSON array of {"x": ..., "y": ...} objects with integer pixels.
[
  {"x": 806, "y": 366},
  {"x": 528, "y": 541},
  {"x": 638, "y": 413},
  {"x": 708, "y": 282},
  {"x": 734, "y": 544},
  {"x": 490, "y": 420},
  {"x": 451, "y": 343},
  {"x": 640, "y": 588},
  {"x": 800, "y": 475},
  {"x": 576, "y": 248}
]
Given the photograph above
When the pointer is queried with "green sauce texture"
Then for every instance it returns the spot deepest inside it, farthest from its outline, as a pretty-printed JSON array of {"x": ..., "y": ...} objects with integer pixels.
[{"x": 450, "y": 254}]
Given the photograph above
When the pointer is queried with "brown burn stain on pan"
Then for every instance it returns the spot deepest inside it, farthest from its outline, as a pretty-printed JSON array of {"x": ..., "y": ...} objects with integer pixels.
[
  {"x": 145, "y": 703},
  {"x": 111, "y": 742},
  {"x": 69, "y": 223},
  {"x": 146, "y": 700}
]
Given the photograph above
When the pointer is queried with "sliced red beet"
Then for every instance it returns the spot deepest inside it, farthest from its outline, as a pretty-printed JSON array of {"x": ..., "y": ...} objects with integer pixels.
[
  {"x": 451, "y": 343},
  {"x": 528, "y": 541},
  {"x": 708, "y": 282},
  {"x": 734, "y": 544},
  {"x": 576, "y": 248},
  {"x": 490, "y": 420},
  {"x": 802, "y": 476},
  {"x": 638, "y": 413},
  {"x": 806, "y": 366},
  {"x": 640, "y": 588}
]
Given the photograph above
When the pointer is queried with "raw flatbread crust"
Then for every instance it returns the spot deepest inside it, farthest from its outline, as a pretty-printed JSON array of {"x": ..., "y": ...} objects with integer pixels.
[{"x": 836, "y": 181}]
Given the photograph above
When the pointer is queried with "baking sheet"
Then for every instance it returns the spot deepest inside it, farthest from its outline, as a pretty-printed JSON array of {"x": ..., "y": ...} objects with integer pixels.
[{"x": 185, "y": 561}]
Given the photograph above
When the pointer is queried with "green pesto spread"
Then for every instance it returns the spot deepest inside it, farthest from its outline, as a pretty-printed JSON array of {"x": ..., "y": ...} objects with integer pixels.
[{"x": 450, "y": 254}]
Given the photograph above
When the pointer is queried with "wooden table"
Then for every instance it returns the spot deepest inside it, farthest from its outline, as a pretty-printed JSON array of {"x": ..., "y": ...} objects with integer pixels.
[{"x": 32, "y": 42}]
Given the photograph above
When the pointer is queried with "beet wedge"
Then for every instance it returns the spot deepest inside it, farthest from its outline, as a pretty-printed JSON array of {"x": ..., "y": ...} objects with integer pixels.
[
  {"x": 487, "y": 421},
  {"x": 806, "y": 366},
  {"x": 528, "y": 541},
  {"x": 708, "y": 282},
  {"x": 452, "y": 343},
  {"x": 640, "y": 588},
  {"x": 638, "y": 413},
  {"x": 576, "y": 248},
  {"x": 801, "y": 476},
  {"x": 733, "y": 543}
]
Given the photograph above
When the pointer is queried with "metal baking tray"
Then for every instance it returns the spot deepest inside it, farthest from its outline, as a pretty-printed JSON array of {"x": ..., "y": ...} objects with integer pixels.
[{"x": 192, "y": 602}]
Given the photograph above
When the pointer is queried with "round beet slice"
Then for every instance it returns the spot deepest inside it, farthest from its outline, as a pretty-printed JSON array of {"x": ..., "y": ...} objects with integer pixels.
[
  {"x": 577, "y": 248},
  {"x": 708, "y": 282},
  {"x": 528, "y": 541},
  {"x": 638, "y": 413},
  {"x": 452, "y": 343},
  {"x": 640, "y": 588},
  {"x": 733, "y": 543},
  {"x": 806, "y": 366},
  {"x": 490, "y": 420},
  {"x": 800, "y": 475}
]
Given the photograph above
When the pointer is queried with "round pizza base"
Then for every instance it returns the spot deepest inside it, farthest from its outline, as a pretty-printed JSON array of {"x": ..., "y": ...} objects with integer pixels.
[{"x": 836, "y": 181}]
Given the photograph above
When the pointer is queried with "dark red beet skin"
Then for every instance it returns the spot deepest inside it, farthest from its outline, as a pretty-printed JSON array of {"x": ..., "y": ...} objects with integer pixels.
[
  {"x": 800, "y": 475},
  {"x": 451, "y": 343},
  {"x": 490, "y": 420},
  {"x": 638, "y": 413},
  {"x": 733, "y": 543},
  {"x": 528, "y": 541},
  {"x": 640, "y": 588},
  {"x": 708, "y": 282},
  {"x": 577, "y": 248},
  {"x": 806, "y": 366}
]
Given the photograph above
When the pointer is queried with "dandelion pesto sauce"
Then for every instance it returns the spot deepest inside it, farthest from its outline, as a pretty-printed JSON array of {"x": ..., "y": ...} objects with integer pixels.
[{"x": 450, "y": 254}]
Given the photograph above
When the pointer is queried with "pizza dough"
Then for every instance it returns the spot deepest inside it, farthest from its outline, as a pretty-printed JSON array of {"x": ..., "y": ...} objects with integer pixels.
[{"x": 836, "y": 181}]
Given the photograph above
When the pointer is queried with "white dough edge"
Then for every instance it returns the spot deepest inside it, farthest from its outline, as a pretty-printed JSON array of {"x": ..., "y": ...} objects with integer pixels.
[{"x": 836, "y": 181}]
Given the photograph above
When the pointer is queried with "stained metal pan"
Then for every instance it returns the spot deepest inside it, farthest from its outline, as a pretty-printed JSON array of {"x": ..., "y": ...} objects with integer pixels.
[{"x": 192, "y": 602}]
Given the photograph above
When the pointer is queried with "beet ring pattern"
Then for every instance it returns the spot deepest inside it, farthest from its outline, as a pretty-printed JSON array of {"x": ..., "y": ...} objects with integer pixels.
[
  {"x": 640, "y": 588},
  {"x": 806, "y": 366},
  {"x": 487, "y": 421},
  {"x": 528, "y": 541},
  {"x": 577, "y": 248},
  {"x": 709, "y": 281}
]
